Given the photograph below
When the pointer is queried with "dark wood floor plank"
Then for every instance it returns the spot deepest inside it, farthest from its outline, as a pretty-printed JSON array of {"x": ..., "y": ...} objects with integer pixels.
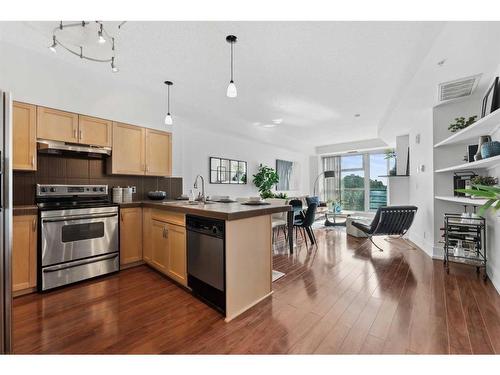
[
  {"x": 343, "y": 296},
  {"x": 458, "y": 334}
]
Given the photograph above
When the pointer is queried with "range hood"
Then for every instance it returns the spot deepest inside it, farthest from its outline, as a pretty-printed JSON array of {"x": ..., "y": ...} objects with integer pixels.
[{"x": 57, "y": 147}]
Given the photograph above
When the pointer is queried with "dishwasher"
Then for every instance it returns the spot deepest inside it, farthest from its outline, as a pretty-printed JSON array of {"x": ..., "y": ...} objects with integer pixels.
[{"x": 206, "y": 260}]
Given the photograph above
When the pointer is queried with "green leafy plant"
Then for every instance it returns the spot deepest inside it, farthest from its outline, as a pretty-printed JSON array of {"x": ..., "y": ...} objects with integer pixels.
[
  {"x": 281, "y": 196},
  {"x": 264, "y": 180},
  {"x": 460, "y": 123},
  {"x": 390, "y": 154},
  {"x": 484, "y": 180},
  {"x": 492, "y": 193}
]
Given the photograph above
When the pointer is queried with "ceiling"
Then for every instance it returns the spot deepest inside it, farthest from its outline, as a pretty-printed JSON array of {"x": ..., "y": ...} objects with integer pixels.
[{"x": 315, "y": 76}]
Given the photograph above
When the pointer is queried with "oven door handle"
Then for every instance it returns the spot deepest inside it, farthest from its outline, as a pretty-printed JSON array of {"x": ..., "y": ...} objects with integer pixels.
[
  {"x": 79, "y": 263},
  {"x": 81, "y": 217}
]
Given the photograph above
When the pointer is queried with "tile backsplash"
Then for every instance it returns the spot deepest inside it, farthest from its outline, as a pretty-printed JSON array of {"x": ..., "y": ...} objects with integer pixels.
[{"x": 57, "y": 169}]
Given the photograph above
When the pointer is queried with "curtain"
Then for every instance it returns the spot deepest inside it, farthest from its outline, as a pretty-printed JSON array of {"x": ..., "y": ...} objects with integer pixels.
[
  {"x": 284, "y": 170},
  {"x": 331, "y": 186}
]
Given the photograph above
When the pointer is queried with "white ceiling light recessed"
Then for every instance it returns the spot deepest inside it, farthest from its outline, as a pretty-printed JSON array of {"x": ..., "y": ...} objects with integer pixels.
[
  {"x": 58, "y": 39},
  {"x": 269, "y": 125},
  {"x": 277, "y": 121},
  {"x": 231, "y": 88},
  {"x": 168, "y": 117}
]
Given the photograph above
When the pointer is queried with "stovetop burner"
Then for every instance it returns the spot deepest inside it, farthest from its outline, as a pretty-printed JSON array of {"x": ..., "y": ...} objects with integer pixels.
[{"x": 52, "y": 197}]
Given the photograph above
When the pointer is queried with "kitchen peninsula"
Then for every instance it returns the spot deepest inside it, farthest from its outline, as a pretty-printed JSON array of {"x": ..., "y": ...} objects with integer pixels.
[{"x": 247, "y": 245}]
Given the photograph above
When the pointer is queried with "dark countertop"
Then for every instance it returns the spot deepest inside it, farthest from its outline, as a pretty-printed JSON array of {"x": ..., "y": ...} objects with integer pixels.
[
  {"x": 223, "y": 211},
  {"x": 25, "y": 210}
]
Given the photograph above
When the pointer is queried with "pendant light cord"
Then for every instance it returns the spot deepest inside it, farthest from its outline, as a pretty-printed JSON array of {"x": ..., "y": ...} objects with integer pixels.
[
  {"x": 168, "y": 99},
  {"x": 232, "y": 61}
]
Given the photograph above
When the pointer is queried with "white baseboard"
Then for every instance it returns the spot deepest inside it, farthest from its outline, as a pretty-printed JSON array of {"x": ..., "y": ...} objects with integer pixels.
[{"x": 423, "y": 244}]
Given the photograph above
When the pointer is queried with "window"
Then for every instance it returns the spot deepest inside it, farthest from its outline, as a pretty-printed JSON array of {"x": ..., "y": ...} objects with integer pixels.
[
  {"x": 378, "y": 185},
  {"x": 358, "y": 185}
]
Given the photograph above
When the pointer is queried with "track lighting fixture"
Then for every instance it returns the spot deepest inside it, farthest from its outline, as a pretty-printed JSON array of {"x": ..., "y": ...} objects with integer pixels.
[
  {"x": 100, "y": 38},
  {"x": 59, "y": 41},
  {"x": 168, "y": 117},
  {"x": 231, "y": 88},
  {"x": 114, "y": 68},
  {"x": 53, "y": 46}
]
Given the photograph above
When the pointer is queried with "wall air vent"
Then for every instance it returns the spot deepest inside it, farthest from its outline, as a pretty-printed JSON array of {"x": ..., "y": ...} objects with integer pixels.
[{"x": 457, "y": 88}]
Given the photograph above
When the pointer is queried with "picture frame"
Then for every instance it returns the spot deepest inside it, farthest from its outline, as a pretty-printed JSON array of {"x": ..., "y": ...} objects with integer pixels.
[
  {"x": 491, "y": 99},
  {"x": 227, "y": 171}
]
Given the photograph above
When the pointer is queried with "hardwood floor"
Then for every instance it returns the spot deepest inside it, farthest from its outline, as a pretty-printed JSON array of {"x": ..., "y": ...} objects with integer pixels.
[{"x": 342, "y": 297}]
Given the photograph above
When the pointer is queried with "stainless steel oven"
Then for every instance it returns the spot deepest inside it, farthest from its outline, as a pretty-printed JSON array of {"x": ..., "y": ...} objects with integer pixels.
[{"x": 77, "y": 243}]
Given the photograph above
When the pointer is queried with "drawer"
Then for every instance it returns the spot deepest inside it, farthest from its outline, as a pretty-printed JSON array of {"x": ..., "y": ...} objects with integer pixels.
[{"x": 175, "y": 218}]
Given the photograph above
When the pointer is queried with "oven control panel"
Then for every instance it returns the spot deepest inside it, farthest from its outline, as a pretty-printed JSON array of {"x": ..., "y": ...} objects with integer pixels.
[{"x": 70, "y": 190}]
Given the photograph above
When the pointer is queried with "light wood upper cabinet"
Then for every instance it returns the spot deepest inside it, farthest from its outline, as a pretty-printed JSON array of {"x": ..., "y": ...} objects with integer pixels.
[
  {"x": 177, "y": 254},
  {"x": 24, "y": 252},
  {"x": 159, "y": 246},
  {"x": 128, "y": 150},
  {"x": 94, "y": 131},
  {"x": 24, "y": 135},
  {"x": 57, "y": 125},
  {"x": 130, "y": 235},
  {"x": 146, "y": 234},
  {"x": 158, "y": 153}
]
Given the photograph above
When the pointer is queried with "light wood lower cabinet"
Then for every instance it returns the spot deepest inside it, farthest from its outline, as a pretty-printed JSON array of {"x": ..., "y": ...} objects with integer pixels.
[
  {"x": 24, "y": 252},
  {"x": 164, "y": 244},
  {"x": 146, "y": 235},
  {"x": 177, "y": 254},
  {"x": 130, "y": 235},
  {"x": 24, "y": 135},
  {"x": 159, "y": 246}
]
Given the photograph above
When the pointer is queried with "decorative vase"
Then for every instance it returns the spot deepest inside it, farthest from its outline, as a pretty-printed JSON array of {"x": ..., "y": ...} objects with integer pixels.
[
  {"x": 482, "y": 139},
  {"x": 490, "y": 149}
]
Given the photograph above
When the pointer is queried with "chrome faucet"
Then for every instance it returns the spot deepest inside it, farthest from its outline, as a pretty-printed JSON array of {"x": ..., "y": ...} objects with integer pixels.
[{"x": 201, "y": 198}]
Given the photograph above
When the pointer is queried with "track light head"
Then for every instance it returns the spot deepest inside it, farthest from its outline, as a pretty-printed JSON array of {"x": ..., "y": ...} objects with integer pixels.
[{"x": 53, "y": 46}]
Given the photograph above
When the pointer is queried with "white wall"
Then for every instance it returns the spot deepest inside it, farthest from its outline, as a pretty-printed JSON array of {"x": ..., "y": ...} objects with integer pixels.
[
  {"x": 421, "y": 189},
  {"x": 34, "y": 78},
  {"x": 200, "y": 144}
]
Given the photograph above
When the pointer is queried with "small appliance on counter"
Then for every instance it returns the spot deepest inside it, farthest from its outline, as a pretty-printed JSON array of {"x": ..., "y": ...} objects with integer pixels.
[{"x": 78, "y": 229}]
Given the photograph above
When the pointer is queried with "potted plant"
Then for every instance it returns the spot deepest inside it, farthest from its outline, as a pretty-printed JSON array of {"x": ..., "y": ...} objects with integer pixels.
[
  {"x": 264, "y": 180},
  {"x": 460, "y": 123},
  {"x": 491, "y": 193},
  {"x": 389, "y": 155}
]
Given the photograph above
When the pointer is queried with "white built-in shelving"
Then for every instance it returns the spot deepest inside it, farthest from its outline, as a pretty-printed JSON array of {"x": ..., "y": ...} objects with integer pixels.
[
  {"x": 485, "y": 126},
  {"x": 462, "y": 200},
  {"x": 480, "y": 164}
]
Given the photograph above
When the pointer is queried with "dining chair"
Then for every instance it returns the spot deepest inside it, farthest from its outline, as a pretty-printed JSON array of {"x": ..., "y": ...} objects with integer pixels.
[{"x": 305, "y": 224}]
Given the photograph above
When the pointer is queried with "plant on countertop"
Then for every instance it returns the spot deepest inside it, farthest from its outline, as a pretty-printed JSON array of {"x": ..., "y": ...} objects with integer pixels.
[
  {"x": 264, "y": 180},
  {"x": 280, "y": 196},
  {"x": 390, "y": 154},
  {"x": 484, "y": 180},
  {"x": 492, "y": 193},
  {"x": 460, "y": 123}
]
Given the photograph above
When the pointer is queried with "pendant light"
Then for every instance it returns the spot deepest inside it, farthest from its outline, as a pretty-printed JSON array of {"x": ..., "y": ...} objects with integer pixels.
[
  {"x": 168, "y": 117},
  {"x": 231, "y": 88}
]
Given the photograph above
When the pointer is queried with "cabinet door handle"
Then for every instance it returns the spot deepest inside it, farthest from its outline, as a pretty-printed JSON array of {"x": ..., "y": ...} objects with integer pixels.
[
  {"x": 121, "y": 216},
  {"x": 34, "y": 225},
  {"x": 33, "y": 160},
  {"x": 74, "y": 133},
  {"x": 81, "y": 134},
  {"x": 166, "y": 233}
]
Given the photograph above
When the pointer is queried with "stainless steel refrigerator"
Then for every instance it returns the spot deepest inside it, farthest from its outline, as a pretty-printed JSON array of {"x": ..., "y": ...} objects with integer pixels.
[{"x": 5, "y": 221}]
